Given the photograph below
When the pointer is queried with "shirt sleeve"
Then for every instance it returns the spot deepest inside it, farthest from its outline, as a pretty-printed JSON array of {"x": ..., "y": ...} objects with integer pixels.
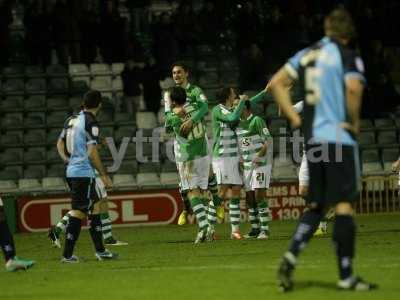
[
  {"x": 92, "y": 131},
  {"x": 63, "y": 132},
  {"x": 230, "y": 117},
  {"x": 293, "y": 64},
  {"x": 201, "y": 112},
  {"x": 257, "y": 98},
  {"x": 353, "y": 66},
  {"x": 200, "y": 96},
  {"x": 298, "y": 107},
  {"x": 262, "y": 130}
]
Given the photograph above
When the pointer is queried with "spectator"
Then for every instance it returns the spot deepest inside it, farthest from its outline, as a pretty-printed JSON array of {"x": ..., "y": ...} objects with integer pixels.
[
  {"x": 134, "y": 49},
  {"x": 252, "y": 69},
  {"x": 151, "y": 86},
  {"x": 139, "y": 16},
  {"x": 275, "y": 38},
  {"x": 210, "y": 23},
  {"x": 66, "y": 33},
  {"x": 391, "y": 22},
  {"x": 380, "y": 83},
  {"x": 165, "y": 42},
  {"x": 89, "y": 25},
  {"x": 112, "y": 28},
  {"x": 247, "y": 26},
  {"x": 6, "y": 19},
  {"x": 370, "y": 27},
  {"x": 131, "y": 78},
  {"x": 302, "y": 31},
  {"x": 38, "y": 33},
  {"x": 187, "y": 26}
]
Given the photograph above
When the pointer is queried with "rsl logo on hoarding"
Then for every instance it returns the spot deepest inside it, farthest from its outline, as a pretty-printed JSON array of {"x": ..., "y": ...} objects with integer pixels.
[{"x": 128, "y": 209}]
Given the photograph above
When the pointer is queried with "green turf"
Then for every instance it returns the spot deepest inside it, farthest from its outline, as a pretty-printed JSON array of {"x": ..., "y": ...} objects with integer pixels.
[{"x": 162, "y": 263}]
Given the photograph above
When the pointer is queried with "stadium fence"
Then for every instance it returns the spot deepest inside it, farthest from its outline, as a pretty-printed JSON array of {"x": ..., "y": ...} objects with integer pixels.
[{"x": 379, "y": 194}]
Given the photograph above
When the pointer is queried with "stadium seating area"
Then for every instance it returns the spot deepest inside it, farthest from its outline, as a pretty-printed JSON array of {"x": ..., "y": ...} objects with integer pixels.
[{"x": 35, "y": 102}]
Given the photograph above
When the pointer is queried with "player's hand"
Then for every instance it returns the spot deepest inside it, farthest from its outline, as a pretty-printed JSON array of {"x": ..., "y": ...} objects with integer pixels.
[
  {"x": 186, "y": 127},
  {"x": 107, "y": 181},
  {"x": 295, "y": 121},
  {"x": 353, "y": 128},
  {"x": 65, "y": 159},
  {"x": 396, "y": 166},
  {"x": 243, "y": 97},
  {"x": 179, "y": 111},
  {"x": 257, "y": 160}
]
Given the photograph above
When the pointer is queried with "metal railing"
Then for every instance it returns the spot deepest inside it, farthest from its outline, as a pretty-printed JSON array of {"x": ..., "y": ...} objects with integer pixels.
[{"x": 379, "y": 194}]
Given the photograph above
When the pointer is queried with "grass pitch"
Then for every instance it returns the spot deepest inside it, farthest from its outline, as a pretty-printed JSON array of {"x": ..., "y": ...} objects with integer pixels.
[{"x": 163, "y": 263}]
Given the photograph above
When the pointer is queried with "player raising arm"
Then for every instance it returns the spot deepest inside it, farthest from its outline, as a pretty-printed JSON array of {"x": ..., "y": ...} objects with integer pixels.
[{"x": 225, "y": 161}]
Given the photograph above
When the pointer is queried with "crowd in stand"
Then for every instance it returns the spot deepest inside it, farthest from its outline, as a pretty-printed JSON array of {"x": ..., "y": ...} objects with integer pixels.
[
  {"x": 261, "y": 34},
  {"x": 74, "y": 31}
]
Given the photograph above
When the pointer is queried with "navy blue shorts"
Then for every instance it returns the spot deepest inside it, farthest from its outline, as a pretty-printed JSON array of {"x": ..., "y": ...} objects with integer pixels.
[
  {"x": 335, "y": 177},
  {"x": 83, "y": 193}
]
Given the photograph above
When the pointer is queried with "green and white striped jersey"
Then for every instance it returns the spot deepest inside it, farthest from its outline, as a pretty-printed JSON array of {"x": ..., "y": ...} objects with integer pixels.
[
  {"x": 224, "y": 122},
  {"x": 195, "y": 144},
  {"x": 252, "y": 134}
]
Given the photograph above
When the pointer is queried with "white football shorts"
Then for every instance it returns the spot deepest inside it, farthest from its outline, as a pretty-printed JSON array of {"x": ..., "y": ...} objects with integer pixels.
[
  {"x": 257, "y": 178},
  {"x": 194, "y": 173},
  {"x": 226, "y": 170}
]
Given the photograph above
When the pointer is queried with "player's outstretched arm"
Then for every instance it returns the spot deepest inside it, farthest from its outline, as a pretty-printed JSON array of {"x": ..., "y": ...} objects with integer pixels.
[
  {"x": 233, "y": 116},
  {"x": 258, "y": 98}
]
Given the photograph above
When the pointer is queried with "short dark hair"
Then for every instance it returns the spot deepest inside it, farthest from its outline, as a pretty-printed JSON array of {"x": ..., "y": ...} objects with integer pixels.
[
  {"x": 247, "y": 104},
  {"x": 223, "y": 94},
  {"x": 339, "y": 24},
  {"x": 178, "y": 95},
  {"x": 181, "y": 64},
  {"x": 92, "y": 99}
]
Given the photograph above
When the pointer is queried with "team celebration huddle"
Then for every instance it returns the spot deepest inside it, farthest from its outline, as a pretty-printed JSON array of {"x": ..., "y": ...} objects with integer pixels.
[
  {"x": 236, "y": 159},
  {"x": 240, "y": 156}
]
